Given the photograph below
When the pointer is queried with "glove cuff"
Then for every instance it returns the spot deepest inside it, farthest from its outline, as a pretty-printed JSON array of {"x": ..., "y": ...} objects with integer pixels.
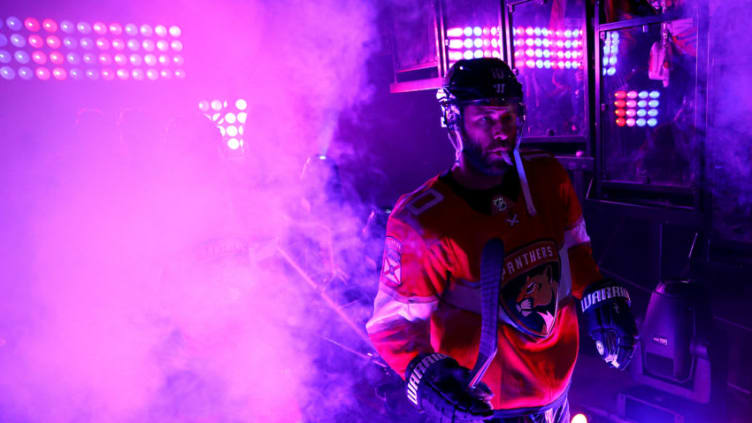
[
  {"x": 415, "y": 372},
  {"x": 599, "y": 292}
]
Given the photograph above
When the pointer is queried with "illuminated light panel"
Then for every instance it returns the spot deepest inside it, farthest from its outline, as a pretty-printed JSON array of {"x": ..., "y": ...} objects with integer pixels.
[
  {"x": 547, "y": 44},
  {"x": 609, "y": 54},
  {"x": 636, "y": 111},
  {"x": 468, "y": 42},
  {"x": 229, "y": 118},
  {"x": 60, "y": 46}
]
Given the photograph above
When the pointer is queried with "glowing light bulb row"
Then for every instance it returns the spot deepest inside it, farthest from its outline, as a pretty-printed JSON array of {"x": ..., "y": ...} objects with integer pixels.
[
  {"x": 67, "y": 26},
  {"x": 54, "y": 42},
  {"x": 544, "y": 48},
  {"x": 610, "y": 52},
  {"x": 546, "y": 32},
  {"x": 58, "y": 73},
  {"x": 73, "y": 58},
  {"x": 473, "y": 42},
  {"x": 230, "y": 118}
]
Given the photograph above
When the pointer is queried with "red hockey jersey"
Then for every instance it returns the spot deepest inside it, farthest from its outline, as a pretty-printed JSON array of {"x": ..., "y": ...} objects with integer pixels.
[{"x": 429, "y": 293}]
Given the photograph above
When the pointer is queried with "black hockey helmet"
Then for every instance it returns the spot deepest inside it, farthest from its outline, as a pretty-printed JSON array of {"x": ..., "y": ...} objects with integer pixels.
[{"x": 487, "y": 81}]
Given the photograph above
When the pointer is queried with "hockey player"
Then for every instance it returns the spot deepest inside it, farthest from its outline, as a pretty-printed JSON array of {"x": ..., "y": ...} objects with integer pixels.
[{"x": 426, "y": 321}]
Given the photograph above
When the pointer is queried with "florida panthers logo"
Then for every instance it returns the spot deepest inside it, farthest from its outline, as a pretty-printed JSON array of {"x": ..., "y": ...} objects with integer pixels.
[
  {"x": 530, "y": 291},
  {"x": 538, "y": 295}
]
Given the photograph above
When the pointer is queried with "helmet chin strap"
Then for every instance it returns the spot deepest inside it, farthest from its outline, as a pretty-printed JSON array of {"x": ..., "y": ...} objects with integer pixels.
[{"x": 523, "y": 181}]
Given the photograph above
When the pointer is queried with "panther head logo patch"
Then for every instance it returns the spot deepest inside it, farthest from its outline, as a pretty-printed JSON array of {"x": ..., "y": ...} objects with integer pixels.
[{"x": 538, "y": 295}]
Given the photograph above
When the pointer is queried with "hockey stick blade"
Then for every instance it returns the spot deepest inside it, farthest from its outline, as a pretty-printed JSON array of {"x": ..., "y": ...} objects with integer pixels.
[{"x": 491, "y": 267}]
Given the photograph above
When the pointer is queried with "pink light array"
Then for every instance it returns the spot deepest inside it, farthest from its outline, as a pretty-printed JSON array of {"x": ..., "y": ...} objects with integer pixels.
[
  {"x": 472, "y": 42},
  {"x": 544, "y": 48},
  {"x": 230, "y": 118},
  {"x": 52, "y": 50},
  {"x": 633, "y": 108}
]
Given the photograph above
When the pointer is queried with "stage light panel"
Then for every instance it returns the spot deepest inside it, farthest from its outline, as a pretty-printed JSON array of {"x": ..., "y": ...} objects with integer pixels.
[
  {"x": 75, "y": 73},
  {"x": 39, "y": 41}
]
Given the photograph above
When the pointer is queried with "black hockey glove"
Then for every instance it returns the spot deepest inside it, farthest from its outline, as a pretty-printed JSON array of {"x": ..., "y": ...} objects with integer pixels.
[
  {"x": 438, "y": 385},
  {"x": 608, "y": 320}
]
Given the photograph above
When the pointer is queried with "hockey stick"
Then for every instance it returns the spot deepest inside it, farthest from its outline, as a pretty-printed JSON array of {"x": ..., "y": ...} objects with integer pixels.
[{"x": 491, "y": 266}]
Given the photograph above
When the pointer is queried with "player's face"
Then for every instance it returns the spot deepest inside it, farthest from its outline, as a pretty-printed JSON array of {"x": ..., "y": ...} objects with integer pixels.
[{"x": 491, "y": 134}]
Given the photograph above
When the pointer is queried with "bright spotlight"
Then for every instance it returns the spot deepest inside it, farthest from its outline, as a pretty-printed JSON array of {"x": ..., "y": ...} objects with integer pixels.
[{"x": 579, "y": 418}]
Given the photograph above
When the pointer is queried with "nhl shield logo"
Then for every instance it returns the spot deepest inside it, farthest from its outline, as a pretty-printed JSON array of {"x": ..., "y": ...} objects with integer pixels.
[{"x": 530, "y": 295}]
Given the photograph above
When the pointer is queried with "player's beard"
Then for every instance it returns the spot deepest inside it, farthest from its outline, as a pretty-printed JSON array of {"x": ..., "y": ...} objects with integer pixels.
[{"x": 487, "y": 164}]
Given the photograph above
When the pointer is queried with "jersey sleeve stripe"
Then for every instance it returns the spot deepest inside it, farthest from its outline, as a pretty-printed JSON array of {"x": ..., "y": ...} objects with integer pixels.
[
  {"x": 576, "y": 235},
  {"x": 390, "y": 308}
]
